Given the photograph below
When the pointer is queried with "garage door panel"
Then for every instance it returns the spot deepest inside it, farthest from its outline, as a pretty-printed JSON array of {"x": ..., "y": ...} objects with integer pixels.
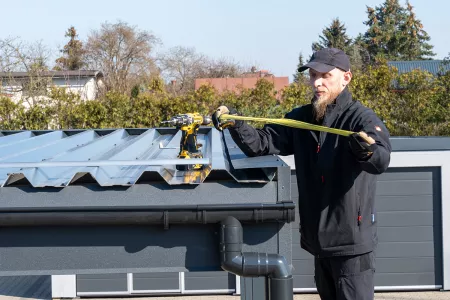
[
  {"x": 404, "y": 174},
  {"x": 407, "y": 265},
  {"x": 405, "y": 279},
  {"x": 401, "y": 203},
  {"x": 405, "y": 249},
  {"x": 406, "y": 234},
  {"x": 404, "y": 188},
  {"x": 405, "y": 218},
  {"x": 303, "y": 266},
  {"x": 304, "y": 281},
  {"x": 299, "y": 253}
]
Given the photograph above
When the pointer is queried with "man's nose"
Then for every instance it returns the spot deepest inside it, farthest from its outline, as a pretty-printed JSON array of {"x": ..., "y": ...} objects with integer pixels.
[{"x": 318, "y": 82}]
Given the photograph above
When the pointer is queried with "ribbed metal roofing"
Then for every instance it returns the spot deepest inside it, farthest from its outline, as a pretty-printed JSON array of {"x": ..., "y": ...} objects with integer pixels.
[
  {"x": 121, "y": 157},
  {"x": 435, "y": 67}
]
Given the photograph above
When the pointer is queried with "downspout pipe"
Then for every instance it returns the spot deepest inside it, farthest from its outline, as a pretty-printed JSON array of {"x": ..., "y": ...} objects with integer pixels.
[{"x": 279, "y": 281}]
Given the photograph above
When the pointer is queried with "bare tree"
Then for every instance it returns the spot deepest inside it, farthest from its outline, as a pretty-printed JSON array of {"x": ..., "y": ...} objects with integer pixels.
[
  {"x": 8, "y": 63},
  {"x": 222, "y": 68},
  {"x": 122, "y": 52},
  {"x": 32, "y": 59},
  {"x": 184, "y": 65}
]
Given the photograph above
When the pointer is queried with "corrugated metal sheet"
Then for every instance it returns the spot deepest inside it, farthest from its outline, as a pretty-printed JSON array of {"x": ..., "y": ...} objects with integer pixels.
[
  {"x": 435, "y": 67},
  {"x": 121, "y": 157}
]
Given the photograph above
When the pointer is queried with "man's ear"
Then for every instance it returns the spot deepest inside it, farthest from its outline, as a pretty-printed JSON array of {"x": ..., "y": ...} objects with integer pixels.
[{"x": 347, "y": 78}]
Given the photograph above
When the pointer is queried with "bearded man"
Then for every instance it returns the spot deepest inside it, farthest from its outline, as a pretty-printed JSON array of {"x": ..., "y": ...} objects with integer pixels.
[{"x": 336, "y": 175}]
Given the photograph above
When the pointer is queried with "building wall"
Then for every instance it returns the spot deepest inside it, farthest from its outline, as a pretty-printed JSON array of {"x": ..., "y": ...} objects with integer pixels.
[
  {"x": 86, "y": 87},
  {"x": 233, "y": 84}
]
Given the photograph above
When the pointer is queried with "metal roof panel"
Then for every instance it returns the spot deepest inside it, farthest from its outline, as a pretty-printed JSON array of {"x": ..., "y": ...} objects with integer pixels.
[{"x": 121, "y": 157}]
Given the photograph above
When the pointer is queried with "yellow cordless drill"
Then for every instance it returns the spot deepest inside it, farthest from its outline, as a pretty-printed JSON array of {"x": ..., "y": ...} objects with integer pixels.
[{"x": 189, "y": 124}]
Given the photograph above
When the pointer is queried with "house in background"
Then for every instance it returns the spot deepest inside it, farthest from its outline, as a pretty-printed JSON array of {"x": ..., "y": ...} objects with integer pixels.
[
  {"x": 435, "y": 67},
  {"x": 248, "y": 80},
  {"x": 86, "y": 83}
]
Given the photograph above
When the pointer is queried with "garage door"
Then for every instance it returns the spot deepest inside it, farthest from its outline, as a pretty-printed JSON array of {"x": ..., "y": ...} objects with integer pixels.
[
  {"x": 409, "y": 254},
  {"x": 410, "y": 231}
]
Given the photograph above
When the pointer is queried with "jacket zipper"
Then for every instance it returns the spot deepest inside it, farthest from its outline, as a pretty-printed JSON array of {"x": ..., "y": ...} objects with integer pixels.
[
  {"x": 318, "y": 150},
  {"x": 359, "y": 217}
]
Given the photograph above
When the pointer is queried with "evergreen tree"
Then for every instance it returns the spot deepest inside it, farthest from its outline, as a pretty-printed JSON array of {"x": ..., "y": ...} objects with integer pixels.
[
  {"x": 394, "y": 33},
  {"x": 299, "y": 75},
  {"x": 73, "y": 53},
  {"x": 334, "y": 36},
  {"x": 358, "y": 56},
  {"x": 415, "y": 39}
]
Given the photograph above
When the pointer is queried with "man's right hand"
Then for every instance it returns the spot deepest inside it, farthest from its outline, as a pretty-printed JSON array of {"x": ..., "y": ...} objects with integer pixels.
[{"x": 223, "y": 110}]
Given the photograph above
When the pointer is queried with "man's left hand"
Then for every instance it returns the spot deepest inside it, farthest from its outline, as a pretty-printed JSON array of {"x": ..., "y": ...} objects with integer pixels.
[{"x": 362, "y": 145}]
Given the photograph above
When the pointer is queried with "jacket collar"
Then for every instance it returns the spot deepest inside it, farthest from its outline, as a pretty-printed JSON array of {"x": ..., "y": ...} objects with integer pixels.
[
  {"x": 344, "y": 98},
  {"x": 333, "y": 110}
]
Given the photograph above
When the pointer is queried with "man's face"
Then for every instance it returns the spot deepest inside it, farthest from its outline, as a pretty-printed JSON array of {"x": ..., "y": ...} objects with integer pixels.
[{"x": 327, "y": 86}]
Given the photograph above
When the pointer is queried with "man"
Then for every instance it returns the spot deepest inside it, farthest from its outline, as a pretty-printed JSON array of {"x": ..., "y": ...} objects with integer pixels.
[{"x": 336, "y": 175}]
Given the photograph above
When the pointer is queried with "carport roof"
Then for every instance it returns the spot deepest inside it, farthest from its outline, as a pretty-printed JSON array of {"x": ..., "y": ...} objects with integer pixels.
[{"x": 122, "y": 157}]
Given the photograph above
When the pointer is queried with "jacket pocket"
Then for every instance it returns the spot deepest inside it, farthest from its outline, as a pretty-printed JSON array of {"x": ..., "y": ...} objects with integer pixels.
[
  {"x": 358, "y": 286},
  {"x": 356, "y": 280}
]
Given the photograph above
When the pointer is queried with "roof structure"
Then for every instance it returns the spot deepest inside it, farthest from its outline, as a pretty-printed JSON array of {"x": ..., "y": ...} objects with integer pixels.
[
  {"x": 122, "y": 157},
  {"x": 435, "y": 67},
  {"x": 54, "y": 74}
]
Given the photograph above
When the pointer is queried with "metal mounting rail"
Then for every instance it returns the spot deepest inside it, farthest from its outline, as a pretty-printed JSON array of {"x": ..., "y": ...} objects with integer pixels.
[{"x": 101, "y": 163}]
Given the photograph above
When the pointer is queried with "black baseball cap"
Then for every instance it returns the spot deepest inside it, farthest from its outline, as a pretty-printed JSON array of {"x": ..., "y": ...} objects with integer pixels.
[{"x": 326, "y": 59}]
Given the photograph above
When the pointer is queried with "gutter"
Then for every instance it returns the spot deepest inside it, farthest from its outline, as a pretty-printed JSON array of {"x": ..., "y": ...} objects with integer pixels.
[{"x": 152, "y": 215}]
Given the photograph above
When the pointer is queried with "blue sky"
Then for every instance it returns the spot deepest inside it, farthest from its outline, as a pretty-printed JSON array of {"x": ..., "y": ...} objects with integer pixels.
[{"x": 269, "y": 34}]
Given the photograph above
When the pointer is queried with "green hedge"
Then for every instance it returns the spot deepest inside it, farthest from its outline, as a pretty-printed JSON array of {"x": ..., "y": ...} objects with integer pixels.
[{"x": 420, "y": 108}]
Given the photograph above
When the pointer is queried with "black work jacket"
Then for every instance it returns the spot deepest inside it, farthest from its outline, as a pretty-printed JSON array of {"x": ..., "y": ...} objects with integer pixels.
[{"x": 336, "y": 191}]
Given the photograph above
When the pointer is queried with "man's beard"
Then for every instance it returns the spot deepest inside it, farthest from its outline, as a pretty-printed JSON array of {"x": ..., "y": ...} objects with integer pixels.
[
  {"x": 320, "y": 104},
  {"x": 320, "y": 107}
]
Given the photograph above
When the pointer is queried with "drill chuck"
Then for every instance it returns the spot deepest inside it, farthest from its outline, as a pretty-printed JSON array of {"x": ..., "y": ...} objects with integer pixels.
[
  {"x": 188, "y": 119},
  {"x": 206, "y": 120}
]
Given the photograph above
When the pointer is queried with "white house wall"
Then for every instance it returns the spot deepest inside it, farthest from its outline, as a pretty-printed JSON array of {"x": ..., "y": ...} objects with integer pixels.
[{"x": 86, "y": 87}]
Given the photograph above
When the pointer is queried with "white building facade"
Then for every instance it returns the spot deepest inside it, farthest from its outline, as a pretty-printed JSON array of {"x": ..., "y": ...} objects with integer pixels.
[{"x": 85, "y": 83}]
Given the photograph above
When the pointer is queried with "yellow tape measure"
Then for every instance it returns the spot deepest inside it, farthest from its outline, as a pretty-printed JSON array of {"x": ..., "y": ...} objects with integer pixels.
[{"x": 292, "y": 123}]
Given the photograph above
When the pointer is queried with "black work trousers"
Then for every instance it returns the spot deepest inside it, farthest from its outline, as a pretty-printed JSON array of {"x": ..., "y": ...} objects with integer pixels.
[{"x": 345, "y": 277}]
